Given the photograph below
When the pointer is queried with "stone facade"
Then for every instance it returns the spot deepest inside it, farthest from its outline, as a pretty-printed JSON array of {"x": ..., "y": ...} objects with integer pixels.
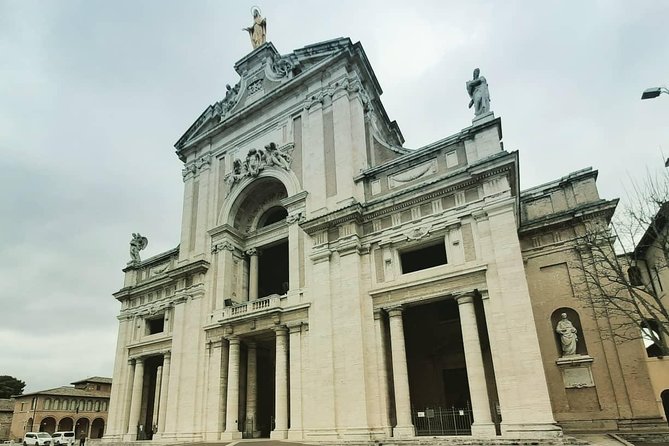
[
  {"x": 81, "y": 408},
  {"x": 332, "y": 285},
  {"x": 6, "y": 414}
]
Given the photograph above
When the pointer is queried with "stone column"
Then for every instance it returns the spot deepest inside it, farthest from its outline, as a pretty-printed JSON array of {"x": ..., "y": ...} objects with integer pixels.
[
  {"x": 164, "y": 383},
  {"x": 136, "y": 402},
  {"x": 478, "y": 390},
  {"x": 281, "y": 386},
  {"x": 253, "y": 273},
  {"x": 251, "y": 388},
  {"x": 127, "y": 397},
  {"x": 383, "y": 372},
  {"x": 404, "y": 427},
  {"x": 295, "y": 366},
  {"x": 156, "y": 397},
  {"x": 294, "y": 252},
  {"x": 232, "y": 410}
]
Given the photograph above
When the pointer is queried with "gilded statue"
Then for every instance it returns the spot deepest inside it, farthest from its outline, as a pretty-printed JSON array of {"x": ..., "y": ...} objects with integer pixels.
[{"x": 257, "y": 31}]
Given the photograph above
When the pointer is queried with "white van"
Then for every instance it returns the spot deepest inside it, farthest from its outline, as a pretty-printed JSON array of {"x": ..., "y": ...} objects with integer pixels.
[
  {"x": 36, "y": 438},
  {"x": 63, "y": 438}
]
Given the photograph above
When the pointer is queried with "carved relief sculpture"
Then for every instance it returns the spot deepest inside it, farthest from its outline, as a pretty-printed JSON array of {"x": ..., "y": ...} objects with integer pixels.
[
  {"x": 257, "y": 31},
  {"x": 137, "y": 244},
  {"x": 477, "y": 88},
  {"x": 568, "y": 337},
  {"x": 258, "y": 159}
]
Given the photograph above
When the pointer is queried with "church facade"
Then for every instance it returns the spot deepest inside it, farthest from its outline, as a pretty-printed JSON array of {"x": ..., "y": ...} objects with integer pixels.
[{"x": 331, "y": 284}]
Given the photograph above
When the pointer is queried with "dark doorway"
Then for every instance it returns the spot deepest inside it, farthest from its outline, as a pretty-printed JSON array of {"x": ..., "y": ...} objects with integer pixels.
[
  {"x": 273, "y": 270},
  {"x": 665, "y": 403},
  {"x": 437, "y": 372},
  {"x": 146, "y": 428}
]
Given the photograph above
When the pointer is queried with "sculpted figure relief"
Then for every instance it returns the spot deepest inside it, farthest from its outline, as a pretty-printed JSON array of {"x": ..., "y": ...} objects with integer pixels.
[
  {"x": 477, "y": 88},
  {"x": 258, "y": 159},
  {"x": 568, "y": 337},
  {"x": 275, "y": 157},
  {"x": 257, "y": 31},
  {"x": 137, "y": 244}
]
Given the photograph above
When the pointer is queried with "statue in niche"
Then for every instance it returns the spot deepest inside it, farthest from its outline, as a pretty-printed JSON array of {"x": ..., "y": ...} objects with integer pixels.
[
  {"x": 277, "y": 157},
  {"x": 137, "y": 244},
  {"x": 477, "y": 88},
  {"x": 257, "y": 31},
  {"x": 568, "y": 337}
]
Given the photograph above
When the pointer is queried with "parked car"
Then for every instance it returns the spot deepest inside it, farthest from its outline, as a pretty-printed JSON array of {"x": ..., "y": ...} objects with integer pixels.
[
  {"x": 63, "y": 438},
  {"x": 36, "y": 438}
]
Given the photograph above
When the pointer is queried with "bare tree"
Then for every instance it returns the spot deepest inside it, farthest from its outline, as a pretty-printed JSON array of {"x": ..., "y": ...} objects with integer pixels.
[{"x": 622, "y": 265}]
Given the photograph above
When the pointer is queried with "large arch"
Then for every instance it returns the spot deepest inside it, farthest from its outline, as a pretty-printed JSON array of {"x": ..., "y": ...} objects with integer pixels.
[
  {"x": 48, "y": 424},
  {"x": 241, "y": 191},
  {"x": 82, "y": 426},
  {"x": 66, "y": 424},
  {"x": 97, "y": 428}
]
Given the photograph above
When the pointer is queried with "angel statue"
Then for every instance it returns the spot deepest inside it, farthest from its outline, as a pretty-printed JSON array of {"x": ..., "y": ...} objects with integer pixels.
[
  {"x": 137, "y": 244},
  {"x": 258, "y": 30}
]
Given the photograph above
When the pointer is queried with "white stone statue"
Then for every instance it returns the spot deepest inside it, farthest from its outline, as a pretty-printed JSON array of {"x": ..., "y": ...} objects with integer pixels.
[
  {"x": 568, "y": 337},
  {"x": 477, "y": 88},
  {"x": 257, "y": 31},
  {"x": 137, "y": 244}
]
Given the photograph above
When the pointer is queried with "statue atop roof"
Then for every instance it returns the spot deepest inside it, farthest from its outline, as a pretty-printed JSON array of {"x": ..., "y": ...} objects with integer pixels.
[
  {"x": 258, "y": 30},
  {"x": 477, "y": 88}
]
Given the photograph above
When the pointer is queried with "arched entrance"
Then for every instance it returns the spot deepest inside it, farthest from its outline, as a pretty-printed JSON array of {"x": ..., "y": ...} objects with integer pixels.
[
  {"x": 97, "y": 428},
  {"x": 66, "y": 424},
  {"x": 665, "y": 403},
  {"x": 81, "y": 426},
  {"x": 48, "y": 424}
]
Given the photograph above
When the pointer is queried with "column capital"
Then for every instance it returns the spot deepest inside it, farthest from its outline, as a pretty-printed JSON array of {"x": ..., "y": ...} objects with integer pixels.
[
  {"x": 252, "y": 252},
  {"x": 137, "y": 359},
  {"x": 295, "y": 327},
  {"x": 395, "y": 311},
  {"x": 233, "y": 339},
  {"x": 378, "y": 314},
  {"x": 167, "y": 354},
  {"x": 281, "y": 330},
  {"x": 465, "y": 298},
  {"x": 131, "y": 361}
]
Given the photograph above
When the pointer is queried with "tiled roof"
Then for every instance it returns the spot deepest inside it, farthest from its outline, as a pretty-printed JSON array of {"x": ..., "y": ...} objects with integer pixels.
[
  {"x": 95, "y": 379},
  {"x": 67, "y": 391}
]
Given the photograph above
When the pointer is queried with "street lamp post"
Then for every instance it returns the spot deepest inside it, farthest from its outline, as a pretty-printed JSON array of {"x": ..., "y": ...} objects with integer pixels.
[{"x": 650, "y": 93}]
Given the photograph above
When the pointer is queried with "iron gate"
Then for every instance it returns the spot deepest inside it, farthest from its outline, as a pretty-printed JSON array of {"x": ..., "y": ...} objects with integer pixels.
[{"x": 443, "y": 421}]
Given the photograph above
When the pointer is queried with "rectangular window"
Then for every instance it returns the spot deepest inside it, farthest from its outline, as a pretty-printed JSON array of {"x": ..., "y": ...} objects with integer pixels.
[
  {"x": 156, "y": 325},
  {"x": 423, "y": 257}
]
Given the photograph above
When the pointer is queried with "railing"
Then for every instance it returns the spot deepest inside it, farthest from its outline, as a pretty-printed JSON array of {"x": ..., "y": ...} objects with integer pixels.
[
  {"x": 258, "y": 305},
  {"x": 443, "y": 421}
]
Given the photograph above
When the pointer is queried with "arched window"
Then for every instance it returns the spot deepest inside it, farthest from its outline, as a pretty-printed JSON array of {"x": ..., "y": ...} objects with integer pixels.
[
  {"x": 652, "y": 338},
  {"x": 47, "y": 404},
  {"x": 104, "y": 406},
  {"x": 89, "y": 406},
  {"x": 56, "y": 404},
  {"x": 97, "y": 406},
  {"x": 272, "y": 215},
  {"x": 561, "y": 319}
]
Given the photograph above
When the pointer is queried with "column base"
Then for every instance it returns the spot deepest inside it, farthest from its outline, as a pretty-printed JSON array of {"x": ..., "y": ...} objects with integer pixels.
[
  {"x": 295, "y": 434},
  {"x": 231, "y": 435},
  {"x": 531, "y": 430},
  {"x": 404, "y": 431},
  {"x": 483, "y": 430},
  {"x": 278, "y": 434}
]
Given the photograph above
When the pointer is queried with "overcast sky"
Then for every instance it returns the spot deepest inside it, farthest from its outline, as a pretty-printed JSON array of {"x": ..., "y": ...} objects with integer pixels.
[{"x": 93, "y": 95}]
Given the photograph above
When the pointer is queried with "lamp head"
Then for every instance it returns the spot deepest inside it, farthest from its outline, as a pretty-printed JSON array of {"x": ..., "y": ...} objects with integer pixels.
[{"x": 650, "y": 93}]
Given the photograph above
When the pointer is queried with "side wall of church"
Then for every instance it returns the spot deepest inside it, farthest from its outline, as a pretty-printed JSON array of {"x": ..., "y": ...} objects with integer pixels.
[{"x": 606, "y": 385}]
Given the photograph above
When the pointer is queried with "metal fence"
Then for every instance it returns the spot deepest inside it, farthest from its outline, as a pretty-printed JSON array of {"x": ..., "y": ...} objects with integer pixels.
[{"x": 443, "y": 421}]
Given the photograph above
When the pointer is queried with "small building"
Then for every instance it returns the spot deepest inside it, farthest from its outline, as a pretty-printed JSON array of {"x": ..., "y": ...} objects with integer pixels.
[
  {"x": 6, "y": 413},
  {"x": 81, "y": 407}
]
